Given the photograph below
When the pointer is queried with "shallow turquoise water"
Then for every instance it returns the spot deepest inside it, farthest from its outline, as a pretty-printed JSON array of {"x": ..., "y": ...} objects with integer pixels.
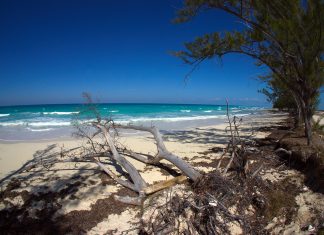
[{"x": 48, "y": 120}]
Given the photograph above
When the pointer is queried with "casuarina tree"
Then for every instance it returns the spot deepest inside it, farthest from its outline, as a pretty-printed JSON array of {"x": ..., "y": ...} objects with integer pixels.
[{"x": 286, "y": 36}]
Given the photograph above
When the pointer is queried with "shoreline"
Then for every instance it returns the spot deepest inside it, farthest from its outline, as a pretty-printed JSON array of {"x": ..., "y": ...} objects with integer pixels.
[
  {"x": 49, "y": 123},
  {"x": 71, "y": 198},
  {"x": 15, "y": 153},
  {"x": 163, "y": 126}
]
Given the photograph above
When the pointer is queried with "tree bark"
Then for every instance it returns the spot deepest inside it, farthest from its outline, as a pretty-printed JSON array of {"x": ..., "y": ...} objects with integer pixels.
[
  {"x": 307, "y": 118},
  {"x": 308, "y": 126},
  {"x": 298, "y": 112}
]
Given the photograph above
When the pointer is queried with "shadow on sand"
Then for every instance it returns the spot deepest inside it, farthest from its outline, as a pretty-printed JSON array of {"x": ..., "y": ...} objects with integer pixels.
[
  {"x": 33, "y": 198},
  {"x": 32, "y": 201}
]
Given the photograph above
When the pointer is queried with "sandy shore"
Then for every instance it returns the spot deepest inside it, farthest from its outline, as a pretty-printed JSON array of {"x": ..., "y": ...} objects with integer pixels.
[
  {"x": 80, "y": 189},
  {"x": 185, "y": 143},
  {"x": 319, "y": 116}
]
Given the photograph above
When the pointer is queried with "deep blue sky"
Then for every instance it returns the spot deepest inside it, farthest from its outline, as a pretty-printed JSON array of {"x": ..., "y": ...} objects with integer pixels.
[{"x": 119, "y": 51}]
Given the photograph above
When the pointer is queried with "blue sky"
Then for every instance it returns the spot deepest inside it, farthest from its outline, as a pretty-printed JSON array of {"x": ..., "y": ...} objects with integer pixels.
[{"x": 52, "y": 51}]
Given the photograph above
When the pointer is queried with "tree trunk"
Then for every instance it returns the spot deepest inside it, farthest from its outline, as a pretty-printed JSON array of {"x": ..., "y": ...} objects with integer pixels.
[
  {"x": 298, "y": 112},
  {"x": 308, "y": 126},
  {"x": 307, "y": 118},
  {"x": 298, "y": 117}
]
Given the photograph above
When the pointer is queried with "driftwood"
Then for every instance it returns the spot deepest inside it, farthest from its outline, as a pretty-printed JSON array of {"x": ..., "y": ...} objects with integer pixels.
[
  {"x": 236, "y": 147},
  {"x": 102, "y": 147},
  {"x": 165, "y": 184},
  {"x": 204, "y": 209},
  {"x": 163, "y": 153},
  {"x": 102, "y": 143}
]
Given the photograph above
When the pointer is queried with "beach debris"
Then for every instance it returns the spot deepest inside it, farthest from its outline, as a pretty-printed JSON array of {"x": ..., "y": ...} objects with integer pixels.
[
  {"x": 138, "y": 184},
  {"x": 233, "y": 197},
  {"x": 102, "y": 148},
  {"x": 310, "y": 228},
  {"x": 213, "y": 203}
]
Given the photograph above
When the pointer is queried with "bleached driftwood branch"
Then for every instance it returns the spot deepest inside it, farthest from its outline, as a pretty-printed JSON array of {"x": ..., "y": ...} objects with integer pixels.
[
  {"x": 163, "y": 153},
  {"x": 108, "y": 149}
]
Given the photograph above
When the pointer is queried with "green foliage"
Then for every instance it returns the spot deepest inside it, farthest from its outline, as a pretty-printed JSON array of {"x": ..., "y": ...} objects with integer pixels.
[
  {"x": 278, "y": 94},
  {"x": 279, "y": 99},
  {"x": 286, "y": 36}
]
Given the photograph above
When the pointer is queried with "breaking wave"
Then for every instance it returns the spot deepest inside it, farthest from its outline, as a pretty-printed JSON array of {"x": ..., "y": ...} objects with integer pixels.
[{"x": 59, "y": 113}]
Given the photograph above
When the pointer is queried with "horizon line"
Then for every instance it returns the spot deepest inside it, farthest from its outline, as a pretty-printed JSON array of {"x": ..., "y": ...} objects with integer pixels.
[{"x": 148, "y": 103}]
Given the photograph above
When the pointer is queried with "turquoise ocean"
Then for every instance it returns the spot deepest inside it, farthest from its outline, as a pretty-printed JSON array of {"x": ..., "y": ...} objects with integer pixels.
[{"x": 36, "y": 122}]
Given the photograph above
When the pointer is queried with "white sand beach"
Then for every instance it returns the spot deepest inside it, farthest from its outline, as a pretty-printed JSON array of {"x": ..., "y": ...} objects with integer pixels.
[
  {"x": 186, "y": 143},
  {"x": 80, "y": 189}
]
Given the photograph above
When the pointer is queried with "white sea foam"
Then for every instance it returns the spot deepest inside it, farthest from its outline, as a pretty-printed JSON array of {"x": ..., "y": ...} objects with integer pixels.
[
  {"x": 170, "y": 119},
  {"x": 113, "y": 111},
  {"x": 4, "y": 115},
  {"x": 241, "y": 115},
  {"x": 51, "y": 123},
  {"x": 36, "y": 124},
  {"x": 40, "y": 130},
  {"x": 208, "y": 111},
  {"x": 47, "y": 125},
  {"x": 17, "y": 123},
  {"x": 59, "y": 113},
  {"x": 186, "y": 110}
]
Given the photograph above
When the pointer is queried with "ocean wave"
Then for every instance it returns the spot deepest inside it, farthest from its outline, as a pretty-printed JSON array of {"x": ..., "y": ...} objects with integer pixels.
[
  {"x": 18, "y": 123},
  {"x": 127, "y": 120},
  {"x": 40, "y": 130},
  {"x": 59, "y": 113},
  {"x": 113, "y": 111},
  {"x": 4, "y": 115},
  {"x": 208, "y": 111},
  {"x": 36, "y": 124},
  {"x": 47, "y": 125},
  {"x": 242, "y": 115},
  {"x": 53, "y": 123},
  {"x": 169, "y": 119},
  {"x": 185, "y": 110}
]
